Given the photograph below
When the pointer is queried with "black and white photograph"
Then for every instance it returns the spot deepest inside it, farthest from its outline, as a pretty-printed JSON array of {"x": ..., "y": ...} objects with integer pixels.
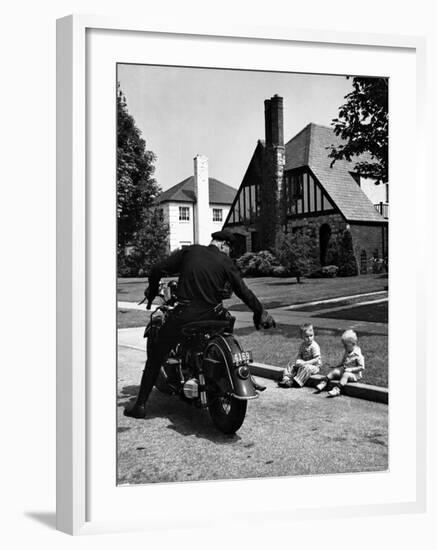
[{"x": 252, "y": 274}]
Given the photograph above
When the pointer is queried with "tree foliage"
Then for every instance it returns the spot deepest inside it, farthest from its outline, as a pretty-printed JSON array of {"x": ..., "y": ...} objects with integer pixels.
[
  {"x": 363, "y": 124},
  {"x": 136, "y": 187},
  {"x": 295, "y": 252},
  {"x": 347, "y": 262},
  {"x": 257, "y": 264},
  {"x": 149, "y": 246},
  {"x": 138, "y": 222}
]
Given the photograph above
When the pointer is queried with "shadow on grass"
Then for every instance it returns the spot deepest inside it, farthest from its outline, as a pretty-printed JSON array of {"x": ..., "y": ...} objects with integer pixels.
[
  {"x": 184, "y": 417},
  {"x": 374, "y": 313}
]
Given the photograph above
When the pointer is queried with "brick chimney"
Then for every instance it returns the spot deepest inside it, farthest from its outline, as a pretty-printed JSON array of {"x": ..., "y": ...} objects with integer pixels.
[
  {"x": 202, "y": 226},
  {"x": 273, "y": 171}
]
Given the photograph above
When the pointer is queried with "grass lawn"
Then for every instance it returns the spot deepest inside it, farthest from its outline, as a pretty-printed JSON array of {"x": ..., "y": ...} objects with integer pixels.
[
  {"x": 282, "y": 346},
  {"x": 275, "y": 292}
]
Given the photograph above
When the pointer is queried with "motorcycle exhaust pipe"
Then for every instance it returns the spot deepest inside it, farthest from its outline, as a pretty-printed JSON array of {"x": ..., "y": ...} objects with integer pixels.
[{"x": 202, "y": 391}]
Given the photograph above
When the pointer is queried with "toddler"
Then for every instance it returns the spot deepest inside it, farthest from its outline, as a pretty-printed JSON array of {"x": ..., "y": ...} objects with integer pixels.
[
  {"x": 351, "y": 367},
  {"x": 308, "y": 360}
]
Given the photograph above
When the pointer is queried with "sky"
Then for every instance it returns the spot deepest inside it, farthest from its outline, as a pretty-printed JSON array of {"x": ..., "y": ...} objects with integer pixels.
[{"x": 184, "y": 112}]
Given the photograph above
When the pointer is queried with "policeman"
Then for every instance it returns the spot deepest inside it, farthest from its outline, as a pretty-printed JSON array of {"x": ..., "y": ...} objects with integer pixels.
[{"x": 204, "y": 274}]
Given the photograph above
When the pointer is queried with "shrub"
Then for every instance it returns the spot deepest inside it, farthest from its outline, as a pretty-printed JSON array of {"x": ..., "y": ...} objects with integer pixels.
[
  {"x": 295, "y": 252},
  {"x": 347, "y": 263},
  {"x": 280, "y": 271},
  {"x": 149, "y": 245},
  {"x": 329, "y": 271},
  {"x": 378, "y": 265},
  {"x": 333, "y": 253},
  {"x": 325, "y": 271},
  {"x": 257, "y": 264}
]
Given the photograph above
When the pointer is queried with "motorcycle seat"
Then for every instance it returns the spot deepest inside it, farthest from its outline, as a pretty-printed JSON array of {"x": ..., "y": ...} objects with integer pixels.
[{"x": 202, "y": 327}]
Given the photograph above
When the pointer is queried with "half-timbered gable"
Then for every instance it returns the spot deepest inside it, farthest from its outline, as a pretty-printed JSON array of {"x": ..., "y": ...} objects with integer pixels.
[{"x": 315, "y": 195}]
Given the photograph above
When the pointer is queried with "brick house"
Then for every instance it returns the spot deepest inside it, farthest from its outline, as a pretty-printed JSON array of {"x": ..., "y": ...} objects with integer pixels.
[
  {"x": 293, "y": 187},
  {"x": 195, "y": 207}
]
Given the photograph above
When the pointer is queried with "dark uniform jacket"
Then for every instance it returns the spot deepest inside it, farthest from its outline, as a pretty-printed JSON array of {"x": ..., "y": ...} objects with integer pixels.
[{"x": 204, "y": 273}]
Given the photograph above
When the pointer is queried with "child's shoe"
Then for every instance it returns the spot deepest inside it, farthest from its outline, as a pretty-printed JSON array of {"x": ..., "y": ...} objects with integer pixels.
[
  {"x": 334, "y": 392},
  {"x": 321, "y": 386}
]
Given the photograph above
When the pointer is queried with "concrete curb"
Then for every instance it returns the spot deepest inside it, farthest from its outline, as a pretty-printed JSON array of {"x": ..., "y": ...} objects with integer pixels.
[{"x": 362, "y": 391}]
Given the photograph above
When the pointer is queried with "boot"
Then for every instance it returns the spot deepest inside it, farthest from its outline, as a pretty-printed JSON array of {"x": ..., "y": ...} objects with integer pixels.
[
  {"x": 138, "y": 409},
  {"x": 257, "y": 385}
]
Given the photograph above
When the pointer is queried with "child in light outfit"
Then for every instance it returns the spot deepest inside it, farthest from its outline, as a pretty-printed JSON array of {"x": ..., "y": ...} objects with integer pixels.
[
  {"x": 351, "y": 367},
  {"x": 308, "y": 360}
]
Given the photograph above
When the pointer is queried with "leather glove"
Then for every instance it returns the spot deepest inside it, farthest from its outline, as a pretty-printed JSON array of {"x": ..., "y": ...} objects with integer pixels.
[
  {"x": 149, "y": 297},
  {"x": 265, "y": 320}
]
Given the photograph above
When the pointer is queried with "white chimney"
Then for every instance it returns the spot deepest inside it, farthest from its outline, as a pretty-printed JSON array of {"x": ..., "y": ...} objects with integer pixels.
[{"x": 202, "y": 226}]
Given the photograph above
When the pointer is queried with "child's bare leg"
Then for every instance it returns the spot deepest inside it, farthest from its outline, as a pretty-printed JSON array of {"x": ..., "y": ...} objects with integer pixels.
[
  {"x": 333, "y": 374},
  {"x": 344, "y": 379},
  {"x": 347, "y": 377}
]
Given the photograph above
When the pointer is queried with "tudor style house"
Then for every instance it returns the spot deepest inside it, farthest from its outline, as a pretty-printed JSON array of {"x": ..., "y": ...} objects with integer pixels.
[
  {"x": 293, "y": 187},
  {"x": 195, "y": 207}
]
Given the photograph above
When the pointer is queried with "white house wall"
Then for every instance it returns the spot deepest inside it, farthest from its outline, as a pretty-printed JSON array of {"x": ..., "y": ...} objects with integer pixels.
[{"x": 182, "y": 232}]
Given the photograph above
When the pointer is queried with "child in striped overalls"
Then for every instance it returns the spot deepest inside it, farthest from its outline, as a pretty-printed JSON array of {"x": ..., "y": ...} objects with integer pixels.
[{"x": 307, "y": 363}]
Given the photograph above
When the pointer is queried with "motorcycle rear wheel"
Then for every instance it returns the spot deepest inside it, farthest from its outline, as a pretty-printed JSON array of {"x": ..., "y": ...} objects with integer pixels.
[{"x": 227, "y": 413}]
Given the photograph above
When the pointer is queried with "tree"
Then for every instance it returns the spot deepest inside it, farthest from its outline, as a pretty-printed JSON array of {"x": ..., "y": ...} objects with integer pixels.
[
  {"x": 136, "y": 187},
  {"x": 347, "y": 262},
  {"x": 363, "y": 125},
  {"x": 295, "y": 252},
  {"x": 149, "y": 246},
  {"x": 137, "y": 192}
]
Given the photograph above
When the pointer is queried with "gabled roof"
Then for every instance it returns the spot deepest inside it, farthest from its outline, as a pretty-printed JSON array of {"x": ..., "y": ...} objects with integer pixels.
[
  {"x": 310, "y": 147},
  {"x": 219, "y": 192}
]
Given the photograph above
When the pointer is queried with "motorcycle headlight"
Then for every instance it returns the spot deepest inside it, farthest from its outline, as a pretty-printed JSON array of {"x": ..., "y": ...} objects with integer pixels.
[{"x": 243, "y": 372}]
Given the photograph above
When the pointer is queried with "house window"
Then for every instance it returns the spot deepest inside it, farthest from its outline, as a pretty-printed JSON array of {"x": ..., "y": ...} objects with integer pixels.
[
  {"x": 296, "y": 186},
  {"x": 161, "y": 214},
  {"x": 217, "y": 214},
  {"x": 184, "y": 214}
]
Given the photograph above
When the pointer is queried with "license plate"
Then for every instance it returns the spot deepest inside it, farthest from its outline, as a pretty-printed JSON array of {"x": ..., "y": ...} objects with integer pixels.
[{"x": 242, "y": 358}]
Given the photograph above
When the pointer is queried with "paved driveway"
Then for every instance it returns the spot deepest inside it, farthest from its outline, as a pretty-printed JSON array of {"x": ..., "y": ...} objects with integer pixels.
[{"x": 286, "y": 432}]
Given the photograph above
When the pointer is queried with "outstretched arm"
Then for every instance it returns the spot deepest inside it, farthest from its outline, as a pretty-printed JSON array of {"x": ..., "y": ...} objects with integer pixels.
[
  {"x": 243, "y": 292},
  {"x": 261, "y": 317}
]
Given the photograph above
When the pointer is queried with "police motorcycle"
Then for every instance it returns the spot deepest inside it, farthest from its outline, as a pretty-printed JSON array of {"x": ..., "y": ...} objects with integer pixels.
[{"x": 207, "y": 368}]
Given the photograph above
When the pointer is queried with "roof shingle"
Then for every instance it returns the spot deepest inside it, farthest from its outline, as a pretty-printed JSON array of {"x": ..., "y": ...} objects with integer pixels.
[
  {"x": 219, "y": 192},
  {"x": 310, "y": 147}
]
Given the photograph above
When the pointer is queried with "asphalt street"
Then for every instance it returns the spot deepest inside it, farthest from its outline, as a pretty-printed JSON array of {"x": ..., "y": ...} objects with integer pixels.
[{"x": 286, "y": 432}]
